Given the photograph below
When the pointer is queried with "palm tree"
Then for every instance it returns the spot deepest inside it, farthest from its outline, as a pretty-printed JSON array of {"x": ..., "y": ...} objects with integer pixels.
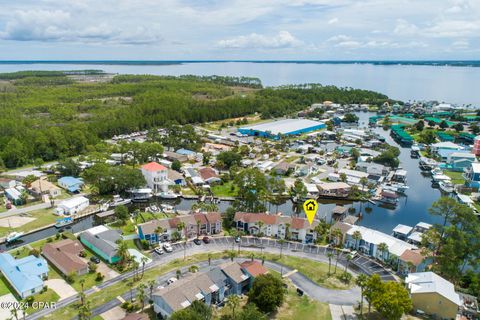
[
  {"x": 193, "y": 269},
  {"x": 329, "y": 256},
  {"x": 136, "y": 266},
  {"x": 132, "y": 283},
  {"x": 209, "y": 258},
  {"x": 180, "y": 227},
  {"x": 252, "y": 256},
  {"x": 338, "y": 236},
  {"x": 144, "y": 260},
  {"x": 151, "y": 286},
  {"x": 281, "y": 242},
  {"x": 349, "y": 258},
  {"x": 357, "y": 236},
  {"x": 287, "y": 231},
  {"x": 337, "y": 255},
  {"x": 260, "y": 226},
  {"x": 363, "y": 182},
  {"x": 122, "y": 251},
  {"x": 178, "y": 273},
  {"x": 232, "y": 254},
  {"x": 141, "y": 294},
  {"x": 159, "y": 231},
  {"x": 82, "y": 283},
  {"x": 361, "y": 281},
  {"x": 233, "y": 303},
  {"x": 382, "y": 247}
]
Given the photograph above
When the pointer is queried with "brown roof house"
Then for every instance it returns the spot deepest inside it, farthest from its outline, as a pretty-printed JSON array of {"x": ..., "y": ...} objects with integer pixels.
[
  {"x": 42, "y": 186},
  {"x": 64, "y": 255},
  {"x": 209, "y": 175}
]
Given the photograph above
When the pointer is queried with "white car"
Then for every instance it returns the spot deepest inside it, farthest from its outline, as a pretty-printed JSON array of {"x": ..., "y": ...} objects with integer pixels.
[
  {"x": 171, "y": 280},
  {"x": 159, "y": 250},
  {"x": 167, "y": 247}
]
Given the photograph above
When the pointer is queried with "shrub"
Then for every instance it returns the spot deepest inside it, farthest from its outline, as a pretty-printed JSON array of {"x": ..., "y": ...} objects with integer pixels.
[
  {"x": 92, "y": 267},
  {"x": 99, "y": 277},
  {"x": 345, "y": 277},
  {"x": 145, "y": 244},
  {"x": 50, "y": 239},
  {"x": 34, "y": 252}
]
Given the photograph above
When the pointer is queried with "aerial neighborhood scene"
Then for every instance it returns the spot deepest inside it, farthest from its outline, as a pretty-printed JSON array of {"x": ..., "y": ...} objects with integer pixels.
[{"x": 163, "y": 161}]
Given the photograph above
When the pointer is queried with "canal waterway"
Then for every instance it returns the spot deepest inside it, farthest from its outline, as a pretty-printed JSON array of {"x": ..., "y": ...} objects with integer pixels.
[{"x": 410, "y": 210}]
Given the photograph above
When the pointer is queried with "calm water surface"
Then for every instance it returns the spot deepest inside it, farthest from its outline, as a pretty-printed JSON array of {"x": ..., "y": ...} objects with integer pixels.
[{"x": 404, "y": 82}]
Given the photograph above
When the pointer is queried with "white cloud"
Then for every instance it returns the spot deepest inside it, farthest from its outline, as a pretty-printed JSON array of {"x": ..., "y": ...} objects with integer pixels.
[
  {"x": 404, "y": 27},
  {"x": 283, "y": 39},
  {"x": 454, "y": 28},
  {"x": 332, "y": 21}
]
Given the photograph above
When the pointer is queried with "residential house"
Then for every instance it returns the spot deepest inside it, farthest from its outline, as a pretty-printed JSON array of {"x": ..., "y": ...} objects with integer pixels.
[
  {"x": 283, "y": 168},
  {"x": 334, "y": 189},
  {"x": 444, "y": 149},
  {"x": 433, "y": 295},
  {"x": 210, "y": 287},
  {"x": 459, "y": 161},
  {"x": 209, "y": 175},
  {"x": 208, "y": 223},
  {"x": 7, "y": 183},
  {"x": 193, "y": 174},
  {"x": 413, "y": 260},
  {"x": 312, "y": 190},
  {"x": 188, "y": 153},
  {"x": 42, "y": 186},
  {"x": 472, "y": 175},
  {"x": 65, "y": 256},
  {"x": 276, "y": 226},
  {"x": 190, "y": 229},
  {"x": 176, "y": 177},
  {"x": 156, "y": 176},
  {"x": 71, "y": 184},
  {"x": 253, "y": 269},
  {"x": 25, "y": 275},
  {"x": 102, "y": 241},
  {"x": 72, "y": 206},
  {"x": 14, "y": 196},
  {"x": 375, "y": 171},
  {"x": 172, "y": 156},
  {"x": 354, "y": 176}
]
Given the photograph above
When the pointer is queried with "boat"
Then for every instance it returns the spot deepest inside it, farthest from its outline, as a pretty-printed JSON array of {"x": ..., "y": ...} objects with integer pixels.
[
  {"x": 446, "y": 186},
  {"x": 168, "y": 195},
  {"x": 440, "y": 177},
  {"x": 389, "y": 197},
  {"x": 141, "y": 195},
  {"x": 13, "y": 236},
  {"x": 167, "y": 208},
  {"x": 119, "y": 201},
  {"x": 436, "y": 170},
  {"x": 153, "y": 208},
  {"x": 63, "y": 222},
  {"x": 396, "y": 187},
  {"x": 427, "y": 164}
]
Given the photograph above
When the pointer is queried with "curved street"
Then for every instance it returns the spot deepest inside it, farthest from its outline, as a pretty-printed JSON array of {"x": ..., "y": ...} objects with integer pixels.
[{"x": 318, "y": 253}]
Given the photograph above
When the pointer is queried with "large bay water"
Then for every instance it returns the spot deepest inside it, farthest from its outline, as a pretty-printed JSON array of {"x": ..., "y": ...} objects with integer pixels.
[{"x": 405, "y": 82}]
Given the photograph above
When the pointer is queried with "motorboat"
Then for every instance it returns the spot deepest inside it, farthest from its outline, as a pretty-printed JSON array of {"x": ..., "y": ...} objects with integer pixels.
[
  {"x": 119, "y": 201},
  {"x": 64, "y": 222},
  {"x": 436, "y": 170},
  {"x": 168, "y": 195},
  {"x": 427, "y": 163},
  {"x": 166, "y": 208},
  {"x": 446, "y": 186},
  {"x": 141, "y": 195},
  {"x": 13, "y": 236},
  {"x": 440, "y": 177}
]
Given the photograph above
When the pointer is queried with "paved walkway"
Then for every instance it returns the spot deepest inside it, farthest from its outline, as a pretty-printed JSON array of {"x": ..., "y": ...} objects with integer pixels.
[{"x": 339, "y": 312}]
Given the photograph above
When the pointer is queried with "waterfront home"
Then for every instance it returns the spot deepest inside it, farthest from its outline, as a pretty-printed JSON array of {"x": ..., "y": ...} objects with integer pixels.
[
  {"x": 71, "y": 184},
  {"x": 209, "y": 175},
  {"x": 103, "y": 242},
  {"x": 372, "y": 168},
  {"x": 65, "y": 256},
  {"x": 334, "y": 189},
  {"x": 444, "y": 154},
  {"x": 176, "y": 177},
  {"x": 208, "y": 223},
  {"x": 339, "y": 212},
  {"x": 354, "y": 176},
  {"x": 72, "y": 206},
  {"x": 210, "y": 287},
  {"x": 433, "y": 295},
  {"x": 370, "y": 241},
  {"x": 25, "y": 275},
  {"x": 284, "y": 227},
  {"x": 459, "y": 161},
  {"x": 155, "y": 231},
  {"x": 156, "y": 176},
  {"x": 312, "y": 190},
  {"x": 472, "y": 175},
  {"x": 194, "y": 176},
  {"x": 399, "y": 176},
  {"x": 413, "y": 260},
  {"x": 402, "y": 231},
  {"x": 436, "y": 147},
  {"x": 14, "y": 196},
  {"x": 190, "y": 229},
  {"x": 42, "y": 186}
]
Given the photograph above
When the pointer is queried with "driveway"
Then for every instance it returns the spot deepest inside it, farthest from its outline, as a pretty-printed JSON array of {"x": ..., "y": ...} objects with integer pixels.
[
  {"x": 116, "y": 313},
  {"x": 106, "y": 271},
  {"x": 61, "y": 287}
]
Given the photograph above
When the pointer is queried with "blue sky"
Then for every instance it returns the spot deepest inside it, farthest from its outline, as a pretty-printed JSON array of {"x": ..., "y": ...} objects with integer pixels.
[{"x": 240, "y": 29}]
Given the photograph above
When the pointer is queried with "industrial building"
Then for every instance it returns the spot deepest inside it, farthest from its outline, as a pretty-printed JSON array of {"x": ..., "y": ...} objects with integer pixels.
[{"x": 274, "y": 129}]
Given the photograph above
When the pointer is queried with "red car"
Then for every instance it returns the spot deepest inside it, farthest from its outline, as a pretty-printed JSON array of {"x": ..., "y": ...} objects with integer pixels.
[{"x": 206, "y": 239}]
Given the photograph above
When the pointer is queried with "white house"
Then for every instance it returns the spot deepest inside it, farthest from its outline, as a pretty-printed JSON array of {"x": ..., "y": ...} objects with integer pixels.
[
  {"x": 156, "y": 176},
  {"x": 72, "y": 206}
]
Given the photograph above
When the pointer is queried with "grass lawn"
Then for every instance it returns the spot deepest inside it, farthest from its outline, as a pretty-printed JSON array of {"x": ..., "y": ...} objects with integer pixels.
[
  {"x": 188, "y": 192},
  {"x": 43, "y": 217},
  {"x": 316, "y": 270},
  {"x": 291, "y": 159},
  {"x": 4, "y": 287},
  {"x": 225, "y": 190},
  {"x": 296, "y": 307},
  {"x": 456, "y": 177},
  {"x": 47, "y": 296}
]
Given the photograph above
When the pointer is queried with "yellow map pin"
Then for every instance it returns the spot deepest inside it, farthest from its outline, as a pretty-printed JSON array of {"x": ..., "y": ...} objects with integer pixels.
[{"x": 310, "y": 207}]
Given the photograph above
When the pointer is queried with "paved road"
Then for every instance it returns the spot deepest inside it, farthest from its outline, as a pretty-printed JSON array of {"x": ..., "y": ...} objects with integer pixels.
[{"x": 344, "y": 297}]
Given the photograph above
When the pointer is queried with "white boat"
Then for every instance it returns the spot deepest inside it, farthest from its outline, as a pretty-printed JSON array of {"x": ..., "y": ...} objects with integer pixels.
[
  {"x": 440, "y": 177},
  {"x": 139, "y": 195},
  {"x": 396, "y": 187},
  {"x": 12, "y": 236},
  {"x": 168, "y": 195},
  {"x": 436, "y": 170},
  {"x": 118, "y": 201},
  {"x": 446, "y": 186},
  {"x": 167, "y": 208},
  {"x": 64, "y": 222}
]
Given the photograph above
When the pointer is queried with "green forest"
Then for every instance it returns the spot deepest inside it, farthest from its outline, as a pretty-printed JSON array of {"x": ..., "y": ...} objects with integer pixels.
[{"x": 46, "y": 115}]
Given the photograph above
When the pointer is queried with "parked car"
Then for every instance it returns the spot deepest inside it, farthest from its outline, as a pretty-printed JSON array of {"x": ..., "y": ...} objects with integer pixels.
[
  {"x": 197, "y": 241},
  {"x": 95, "y": 260},
  {"x": 206, "y": 239},
  {"x": 159, "y": 250},
  {"x": 167, "y": 247},
  {"x": 237, "y": 239},
  {"x": 171, "y": 280}
]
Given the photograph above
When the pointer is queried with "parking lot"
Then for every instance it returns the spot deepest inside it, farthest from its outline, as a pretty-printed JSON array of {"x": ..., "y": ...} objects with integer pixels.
[{"x": 359, "y": 264}]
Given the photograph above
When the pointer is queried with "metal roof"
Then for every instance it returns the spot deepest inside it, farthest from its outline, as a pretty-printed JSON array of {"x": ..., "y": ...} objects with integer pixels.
[{"x": 284, "y": 126}]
